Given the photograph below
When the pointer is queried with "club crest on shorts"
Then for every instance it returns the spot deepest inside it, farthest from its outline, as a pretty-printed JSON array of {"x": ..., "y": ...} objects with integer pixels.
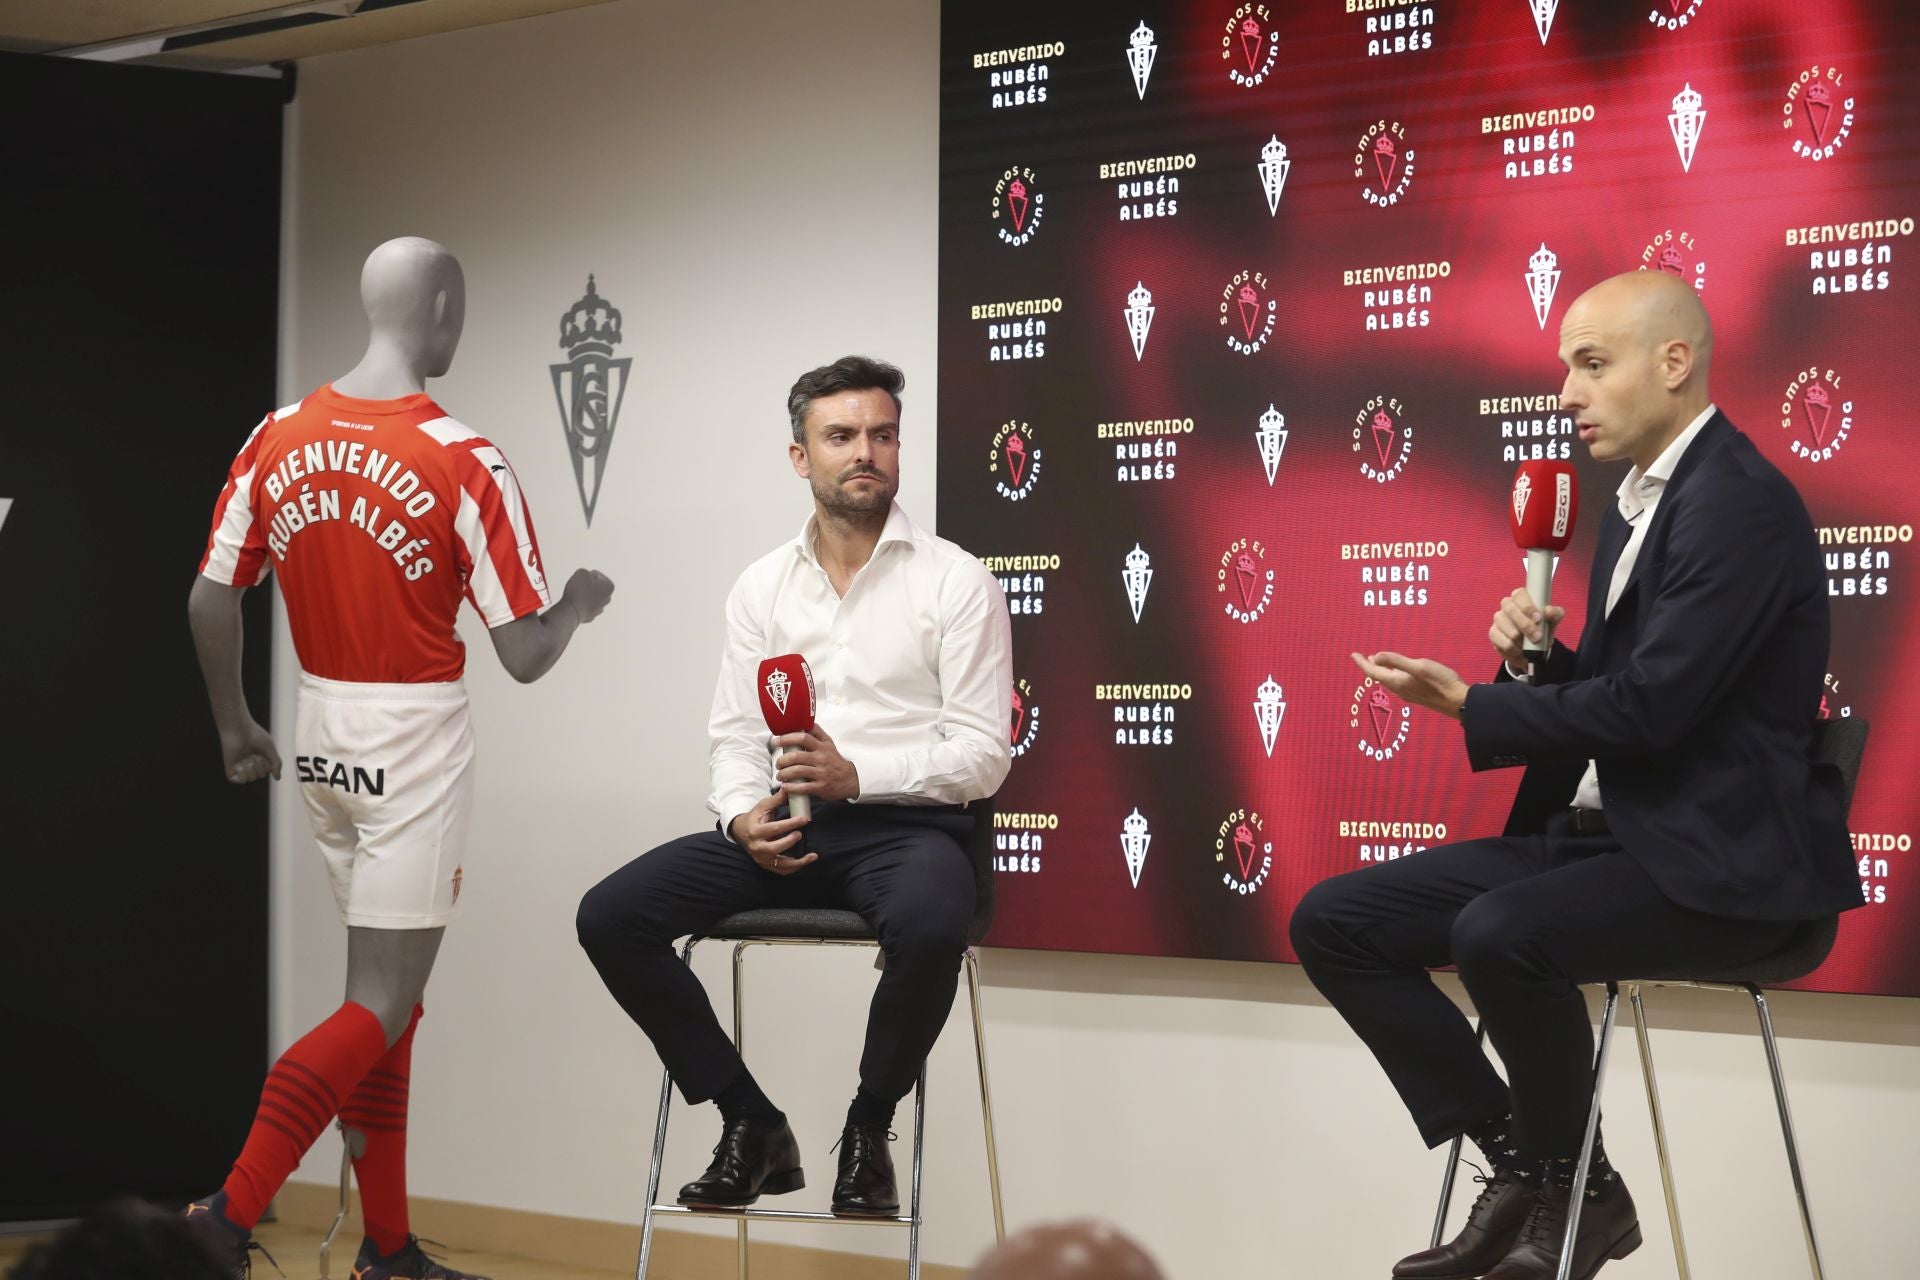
[
  {"x": 1244, "y": 579},
  {"x": 1379, "y": 721},
  {"x": 589, "y": 388},
  {"x": 456, "y": 884},
  {"x": 1269, "y": 707},
  {"x": 1242, "y": 852},
  {"x": 1134, "y": 839}
]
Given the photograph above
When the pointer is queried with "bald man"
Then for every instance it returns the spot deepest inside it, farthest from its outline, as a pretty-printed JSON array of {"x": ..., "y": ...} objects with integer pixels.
[
  {"x": 1085, "y": 1249},
  {"x": 378, "y": 513},
  {"x": 1670, "y": 818}
]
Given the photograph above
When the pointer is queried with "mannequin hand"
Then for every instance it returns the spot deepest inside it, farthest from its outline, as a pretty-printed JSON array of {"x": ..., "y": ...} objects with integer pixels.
[
  {"x": 588, "y": 591},
  {"x": 248, "y": 754}
]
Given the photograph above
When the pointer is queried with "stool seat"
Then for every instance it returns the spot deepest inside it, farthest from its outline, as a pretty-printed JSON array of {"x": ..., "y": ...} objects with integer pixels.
[
  {"x": 826, "y": 923},
  {"x": 1806, "y": 950}
]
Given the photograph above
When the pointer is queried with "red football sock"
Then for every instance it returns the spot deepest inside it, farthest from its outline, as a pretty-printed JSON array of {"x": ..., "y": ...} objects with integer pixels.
[
  {"x": 378, "y": 1109},
  {"x": 302, "y": 1093}
]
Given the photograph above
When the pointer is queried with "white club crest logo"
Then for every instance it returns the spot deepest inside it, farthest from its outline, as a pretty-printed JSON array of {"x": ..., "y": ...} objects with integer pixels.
[
  {"x": 1379, "y": 721},
  {"x": 1250, "y": 45},
  {"x": 1272, "y": 436},
  {"x": 1816, "y": 415},
  {"x": 1269, "y": 706},
  {"x": 1248, "y": 312},
  {"x": 1543, "y": 281},
  {"x": 1688, "y": 119},
  {"x": 1134, "y": 839},
  {"x": 1543, "y": 11},
  {"x": 1139, "y": 318},
  {"x": 1381, "y": 433},
  {"x": 1383, "y": 163},
  {"x": 1025, "y": 719},
  {"x": 1014, "y": 461},
  {"x": 1018, "y": 206},
  {"x": 1274, "y": 167},
  {"x": 1245, "y": 855},
  {"x": 1140, "y": 52},
  {"x": 1138, "y": 575},
  {"x": 1244, "y": 580},
  {"x": 1522, "y": 490},
  {"x": 1818, "y": 114},
  {"x": 779, "y": 688}
]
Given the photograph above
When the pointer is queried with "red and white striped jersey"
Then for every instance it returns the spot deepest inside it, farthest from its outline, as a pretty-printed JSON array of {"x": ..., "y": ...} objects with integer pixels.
[{"x": 378, "y": 515}]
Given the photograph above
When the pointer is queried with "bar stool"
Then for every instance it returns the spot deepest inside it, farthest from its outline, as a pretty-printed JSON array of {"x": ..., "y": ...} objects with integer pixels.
[
  {"x": 1840, "y": 743},
  {"x": 816, "y": 927}
]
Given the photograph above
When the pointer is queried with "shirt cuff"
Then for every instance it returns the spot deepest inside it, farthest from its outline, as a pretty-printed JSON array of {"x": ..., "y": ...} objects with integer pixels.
[{"x": 878, "y": 778}]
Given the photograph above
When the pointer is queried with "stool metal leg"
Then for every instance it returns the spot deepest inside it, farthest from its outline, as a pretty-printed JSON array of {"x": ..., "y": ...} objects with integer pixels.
[
  {"x": 1786, "y": 1126},
  {"x": 1659, "y": 1130},
  {"x": 346, "y": 1191},
  {"x": 659, "y": 1151},
  {"x": 1453, "y": 1166},
  {"x": 739, "y": 1047},
  {"x": 986, "y": 1097},
  {"x": 1579, "y": 1195},
  {"x": 919, "y": 1132}
]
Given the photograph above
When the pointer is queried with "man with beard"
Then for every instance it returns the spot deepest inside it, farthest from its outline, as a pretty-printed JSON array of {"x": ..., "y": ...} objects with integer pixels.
[{"x": 912, "y": 654}]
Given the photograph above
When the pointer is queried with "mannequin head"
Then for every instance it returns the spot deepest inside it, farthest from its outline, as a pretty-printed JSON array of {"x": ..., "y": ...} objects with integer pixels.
[
  {"x": 416, "y": 301},
  {"x": 1085, "y": 1249}
]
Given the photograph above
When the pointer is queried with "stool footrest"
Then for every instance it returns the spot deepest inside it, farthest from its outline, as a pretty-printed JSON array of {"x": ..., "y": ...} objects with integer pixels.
[{"x": 780, "y": 1215}]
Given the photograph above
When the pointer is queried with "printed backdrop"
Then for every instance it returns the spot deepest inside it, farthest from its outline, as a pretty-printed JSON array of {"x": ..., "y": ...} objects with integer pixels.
[{"x": 1248, "y": 312}]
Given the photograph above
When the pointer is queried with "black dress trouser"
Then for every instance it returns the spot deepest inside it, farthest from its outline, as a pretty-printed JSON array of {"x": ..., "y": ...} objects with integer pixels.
[
  {"x": 905, "y": 870},
  {"x": 1525, "y": 919}
]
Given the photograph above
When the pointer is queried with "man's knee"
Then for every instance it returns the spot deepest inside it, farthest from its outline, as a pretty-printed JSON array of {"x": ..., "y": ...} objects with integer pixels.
[
  {"x": 606, "y": 915},
  {"x": 926, "y": 940},
  {"x": 1312, "y": 928},
  {"x": 1486, "y": 938}
]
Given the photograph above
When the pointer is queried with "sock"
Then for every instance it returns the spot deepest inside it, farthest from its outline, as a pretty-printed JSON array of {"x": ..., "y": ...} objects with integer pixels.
[
  {"x": 378, "y": 1109},
  {"x": 867, "y": 1109},
  {"x": 742, "y": 1100},
  {"x": 1495, "y": 1139},
  {"x": 302, "y": 1093},
  {"x": 1601, "y": 1178}
]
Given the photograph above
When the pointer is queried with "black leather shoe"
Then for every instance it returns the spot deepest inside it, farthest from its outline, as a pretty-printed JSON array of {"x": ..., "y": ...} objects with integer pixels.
[
  {"x": 865, "y": 1187},
  {"x": 1493, "y": 1225},
  {"x": 1609, "y": 1229},
  {"x": 754, "y": 1158}
]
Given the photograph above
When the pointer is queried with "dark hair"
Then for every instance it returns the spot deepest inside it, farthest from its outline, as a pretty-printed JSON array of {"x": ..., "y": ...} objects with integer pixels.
[
  {"x": 848, "y": 373},
  {"x": 123, "y": 1240}
]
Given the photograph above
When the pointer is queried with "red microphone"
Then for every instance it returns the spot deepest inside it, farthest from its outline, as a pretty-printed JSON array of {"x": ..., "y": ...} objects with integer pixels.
[
  {"x": 786, "y": 700},
  {"x": 1545, "y": 503}
]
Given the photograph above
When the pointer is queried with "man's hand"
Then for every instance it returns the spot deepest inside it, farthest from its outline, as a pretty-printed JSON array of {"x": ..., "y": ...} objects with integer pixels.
[
  {"x": 767, "y": 842},
  {"x": 813, "y": 766},
  {"x": 1518, "y": 620},
  {"x": 1417, "y": 680},
  {"x": 248, "y": 754},
  {"x": 588, "y": 591}
]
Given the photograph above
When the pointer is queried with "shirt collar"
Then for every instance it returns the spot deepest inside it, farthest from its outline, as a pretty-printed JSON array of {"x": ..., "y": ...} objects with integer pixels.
[
  {"x": 1639, "y": 490},
  {"x": 897, "y": 529}
]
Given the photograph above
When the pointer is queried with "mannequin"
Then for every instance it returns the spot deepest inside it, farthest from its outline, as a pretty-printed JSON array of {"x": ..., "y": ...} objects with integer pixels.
[
  {"x": 1084, "y": 1249},
  {"x": 378, "y": 512}
]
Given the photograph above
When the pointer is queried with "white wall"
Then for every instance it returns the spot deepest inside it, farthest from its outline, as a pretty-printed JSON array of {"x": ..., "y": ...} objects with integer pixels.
[{"x": 754, "y": 184}]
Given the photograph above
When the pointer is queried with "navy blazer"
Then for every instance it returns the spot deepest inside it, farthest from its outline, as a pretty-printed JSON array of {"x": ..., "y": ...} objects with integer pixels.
[{"x": 1697, "y": 698}]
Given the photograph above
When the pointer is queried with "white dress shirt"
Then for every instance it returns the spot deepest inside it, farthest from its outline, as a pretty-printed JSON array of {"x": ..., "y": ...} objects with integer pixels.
[
  {"x": 1637, "y": 496},
  {"x": 912, "y": 670}
]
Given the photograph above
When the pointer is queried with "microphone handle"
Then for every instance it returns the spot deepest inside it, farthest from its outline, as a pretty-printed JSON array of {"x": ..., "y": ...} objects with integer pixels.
[
  {"x": 1540, "y": 588},
  {"x": 800, "y": 806}
]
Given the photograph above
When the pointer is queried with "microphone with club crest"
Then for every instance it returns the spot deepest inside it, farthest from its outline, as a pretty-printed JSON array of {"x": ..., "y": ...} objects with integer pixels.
[
  {"x": 1545, "y": 502},
  {"x": 786, "y": 700}
]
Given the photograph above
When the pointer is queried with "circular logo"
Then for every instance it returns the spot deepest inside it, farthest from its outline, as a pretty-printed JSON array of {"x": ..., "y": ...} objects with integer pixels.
[
  {"x": 1816, "y": 416},
  {"x": 1014, "y": 461},
  {"x": 1250, "y": 45},
  {"x": 1383, "y": 162},
  {"x": 1245, "y": 580},
  {"x": 1383, "y": 439},
  {"x": 1018, "y": 204},
  {"x": 1247, "y": 312},
  {"x": 1677, "y": 254},
  {"x": 1242, "y": 852},
  {"x": 1818, "y": 114},
  {"x": 1379, "y": 721},
  {"x": 1677, "y": 15},
  {"x": 1025, "y": 721}
]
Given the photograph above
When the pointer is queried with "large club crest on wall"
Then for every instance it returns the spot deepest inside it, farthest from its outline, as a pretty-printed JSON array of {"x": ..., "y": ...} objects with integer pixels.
[{"x": 589, "y": 388}]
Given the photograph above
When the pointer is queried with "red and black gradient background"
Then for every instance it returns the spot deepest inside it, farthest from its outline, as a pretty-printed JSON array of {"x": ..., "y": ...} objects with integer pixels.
[{"x": 1746, "y": 188}]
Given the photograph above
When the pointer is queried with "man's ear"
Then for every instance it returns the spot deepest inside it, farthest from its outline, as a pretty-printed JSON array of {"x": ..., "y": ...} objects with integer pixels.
[
  {"x": 1677, "y": 363},
  {"x": 797, "y": 454}
]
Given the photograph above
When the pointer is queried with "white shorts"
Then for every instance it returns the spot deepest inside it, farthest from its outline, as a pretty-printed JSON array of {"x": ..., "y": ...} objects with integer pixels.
[{"x": 387, "y": 774}]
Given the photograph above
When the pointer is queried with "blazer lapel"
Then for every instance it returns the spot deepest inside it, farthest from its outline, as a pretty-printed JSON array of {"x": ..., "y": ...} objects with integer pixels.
[{"x": 1613, "y": 540}]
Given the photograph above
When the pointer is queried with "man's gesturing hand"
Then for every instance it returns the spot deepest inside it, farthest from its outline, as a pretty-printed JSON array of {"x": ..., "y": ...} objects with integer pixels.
[
  {"x": 812, "y": 766},
  {"x": 768, "y": 842},
  {"x": 1417, "y": 680}
]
